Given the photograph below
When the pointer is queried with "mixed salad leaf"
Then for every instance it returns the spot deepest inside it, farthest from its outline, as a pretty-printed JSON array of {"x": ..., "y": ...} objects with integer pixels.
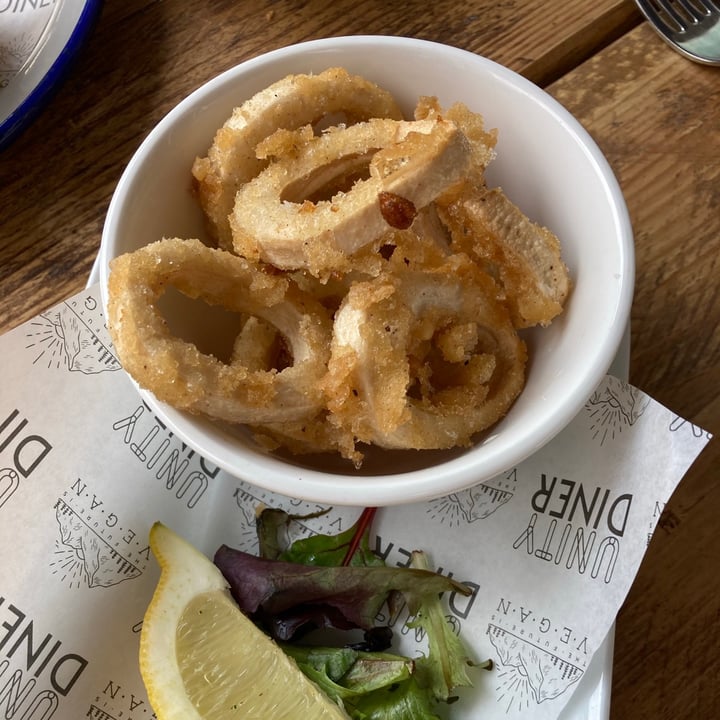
[
  {"x": 295, "y": 587},
  {"x": 320, "y": 550}
]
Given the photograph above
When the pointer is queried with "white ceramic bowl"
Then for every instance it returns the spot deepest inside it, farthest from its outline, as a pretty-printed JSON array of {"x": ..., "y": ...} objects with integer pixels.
[{"x": 546, "y": 163}]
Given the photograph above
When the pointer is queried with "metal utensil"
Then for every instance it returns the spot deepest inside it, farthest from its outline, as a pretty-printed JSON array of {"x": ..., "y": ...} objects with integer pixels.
[{"x": 692, "y": 27}]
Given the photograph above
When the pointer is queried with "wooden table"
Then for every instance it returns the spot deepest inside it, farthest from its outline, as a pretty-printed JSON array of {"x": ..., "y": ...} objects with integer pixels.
[{"x": 654, "y": 114}]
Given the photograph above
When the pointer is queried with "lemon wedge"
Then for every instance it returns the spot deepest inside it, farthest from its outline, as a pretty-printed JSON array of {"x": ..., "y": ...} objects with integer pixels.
[{"x": 201, "y": 658}]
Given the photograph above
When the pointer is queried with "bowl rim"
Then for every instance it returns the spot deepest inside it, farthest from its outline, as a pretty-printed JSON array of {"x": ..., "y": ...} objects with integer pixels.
[{"x": 275, "y": 474}]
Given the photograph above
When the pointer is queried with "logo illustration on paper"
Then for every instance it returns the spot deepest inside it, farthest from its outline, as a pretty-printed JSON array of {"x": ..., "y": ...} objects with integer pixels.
[
  {"x": 247, "y": 505},
  {"x": 69, "y": 336},
  {"x": 476, "y": 503},
  {"x": 92, "y": 548},
  {"x": 116, "y": 701},
  {"x": 528, "y": 673},
  {"x": 614, "y": 407},
  {"x": 84, "y": 557}
]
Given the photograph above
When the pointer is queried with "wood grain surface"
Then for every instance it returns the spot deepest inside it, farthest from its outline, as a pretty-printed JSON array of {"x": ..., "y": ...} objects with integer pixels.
[{"x": 655, "y": 115}]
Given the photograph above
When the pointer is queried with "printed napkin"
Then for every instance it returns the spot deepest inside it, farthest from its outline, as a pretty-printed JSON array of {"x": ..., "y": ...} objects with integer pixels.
[{"x": 549, "y": 548}]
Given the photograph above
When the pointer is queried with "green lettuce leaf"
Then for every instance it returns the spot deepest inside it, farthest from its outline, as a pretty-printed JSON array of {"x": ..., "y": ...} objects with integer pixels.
[
  {"x": 272, "y": 527},
  {"x": 405, "y": 701},
  {"x": 446, "y": 665},
  {"x": 330, "y": 550},
  {"x": 369, "y": 686}
]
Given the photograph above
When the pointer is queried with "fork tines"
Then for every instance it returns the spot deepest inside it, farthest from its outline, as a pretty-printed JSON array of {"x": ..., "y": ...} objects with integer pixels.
[{"x": 680, "y": 16}]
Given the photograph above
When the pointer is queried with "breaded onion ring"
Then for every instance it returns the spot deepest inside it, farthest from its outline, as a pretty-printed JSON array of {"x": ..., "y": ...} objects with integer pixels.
[
  {"x": 175, "y": 370},
  {"x": 423, "y": 359},
  {"x": 524, "y": 257},
  {"x": 290, "y": 103},
  {"x": 274, "y": 220}
]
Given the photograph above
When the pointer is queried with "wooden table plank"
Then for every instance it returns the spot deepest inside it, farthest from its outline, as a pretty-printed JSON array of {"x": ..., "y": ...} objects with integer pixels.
[
  {"x": 655, "y": 115},
  {"x": 534, "y": 37},
  {"x": 58, "y": 177}
]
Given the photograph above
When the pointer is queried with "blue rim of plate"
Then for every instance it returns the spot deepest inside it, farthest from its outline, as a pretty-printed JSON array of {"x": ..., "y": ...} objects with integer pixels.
[{"x": 30, "y": 107}]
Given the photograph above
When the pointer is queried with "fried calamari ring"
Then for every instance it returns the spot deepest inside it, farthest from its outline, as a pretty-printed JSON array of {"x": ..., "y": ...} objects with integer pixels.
[
  {"x": 307, "y": 437},
  {"x": 472, "y": 125},
  {"x": 426, "y": 243},
  {"x": 258, "y": 346},
  {"x": 410, "y": 164},
  {"x": 423, "y": 359},
  {"x": 177, "y": 372},
  {"x": 290, "y": 103},
  {"x": 523, "y": 256},
  {"x": 326, "y": 203}
]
